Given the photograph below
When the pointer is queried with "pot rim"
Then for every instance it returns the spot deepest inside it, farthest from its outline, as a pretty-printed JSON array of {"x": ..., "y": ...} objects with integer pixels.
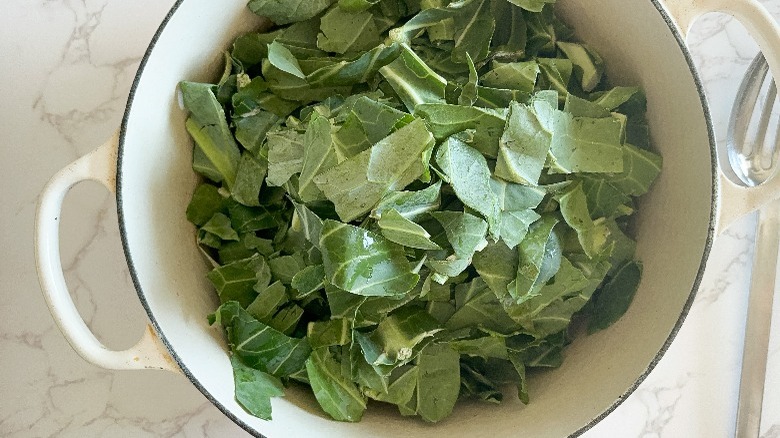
[{"x": 668, "y": 19}]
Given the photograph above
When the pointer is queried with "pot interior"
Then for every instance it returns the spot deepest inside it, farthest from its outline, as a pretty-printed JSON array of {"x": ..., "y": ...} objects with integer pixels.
[{"x": 673, "y": 229}]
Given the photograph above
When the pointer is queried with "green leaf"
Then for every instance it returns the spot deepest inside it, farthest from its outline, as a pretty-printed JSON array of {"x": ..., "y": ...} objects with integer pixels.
[
  {"x": 288, "y": 11},
  {"x": 402, "y": 389},
  {"x": 347, "y": 186},
  {"x": 522, "y": 383},
  {"x": 369, "y": 378},
  {"x": 478, "y": 306},
  {"x": 413, "y": 80},
  {"x": 604, "y": 199},
  {"x": 268, "y": 301},
  {"x": 301, "y": 39},
  {"x": 515, "y": 225},
  {"x": 281, "y": 58},
  {"x": 438, "y": 381},
  {"x": 307, "y": 281},
  {"x": 356, "y": 185},
  {"x": 254, "y": 389},
  {"x": 540, "y": 259},
  {"x": 250, "y": 49},
  {"x": 337, "y": 396},
  {"x": 516, "y": 197},
  {"x": 285, "y": 156},
  {"x": 555, "y": 75},
  {"x": 319, "y": 155},
  {"x": 396, "y": 338},
  {"x": 378, "y": 119},
  {"x": 292, "y": 88},
  {"x": 246, "y": 219},
  {"x": 432, "y": 291},
  {"x": 440, "y": 310},
  {"x": 637, "y": 129},
  {"x": 470, "y": 94},
  {"x": 356, "y": 5},
  {"x": 448, "y": 268},
  {"x": 208, "y": 127},
  {"x": 230, "y": 252},
  {"x": 206, "y": 201},
  {"x": 497, "y": 265},
  {"x": 640, "y": 170},
  {"x": 574, "y": 208},
  {"x": 427, "y": 18},
  {"x": 557, "y": 316},
  {"x": 329, "y": 333},
  {"x": 220, "y": 226},
  {"x": 537, "y": 353},
  {"x": 344, "y": 31},
  {"x": 511, "y": 29},
  {"x": 519, "y": 76},
  {"x": 586, "y": 145},
  {"x": 499, "y": 98},
  {"x": 339, "y": 108},
  {"x": 540, "y": 30},
  {"x": 251, "y": 123},
  {"x": 285, "y": 267},
  {"x": 287, "y": 318},
  {"x": 263, "y": 246},
  {"x": 614, "y": 299},
  {"x": 363, "y": 263},
  {"x": 474, "y": 24},
  {"x": 402, "y": 231},
  {"x": 469, "y": 176},
  {"x": 485, "y": 347},
  {"x": 475, "y": 384},
  {"x": 249, "y": 179},
  {"x": 567, "y": 281},
  {"x": 588, "y": 65},
  {"x": 251, "y": 130},
  {"x": 364, "y": 311},
  {"x": 410, "y": 205},
  {"x": 446, "y": 120},
  {"x": 310, "y": 223},
  {"x": 259, "y": 346},
  {"x": 465, "y": 232},
  {"x": 357, "y": 71},
  {"x": 616, "y": 97},
  {"x": 524, "y": 146},
  {"x": 237, "y": 281},
  {"x": 397, "y": 160},
  {"x": 443, "y": 31},
  {"x": 579, "y": 107},
  {"x": 350, "y": 139},
  {"x": 532, "y": 5},
  {"x": 623, "y": 247}
]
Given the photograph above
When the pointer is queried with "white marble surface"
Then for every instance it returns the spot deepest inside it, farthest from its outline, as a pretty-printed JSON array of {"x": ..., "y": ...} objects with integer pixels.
[{"x": 66, "y": 69}]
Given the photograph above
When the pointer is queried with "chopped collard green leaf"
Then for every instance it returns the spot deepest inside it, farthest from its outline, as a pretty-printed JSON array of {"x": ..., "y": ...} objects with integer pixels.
[{"x": 400, "y": 197}]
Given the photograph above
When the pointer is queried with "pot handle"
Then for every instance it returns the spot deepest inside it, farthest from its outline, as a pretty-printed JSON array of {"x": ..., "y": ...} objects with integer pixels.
[
  {"x": 99, "y": 165},
  {"x": 737, "y": 200}
]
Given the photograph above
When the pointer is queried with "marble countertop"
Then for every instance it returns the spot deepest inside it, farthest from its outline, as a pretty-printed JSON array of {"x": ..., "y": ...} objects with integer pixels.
[{"x": 66, "y": 70}]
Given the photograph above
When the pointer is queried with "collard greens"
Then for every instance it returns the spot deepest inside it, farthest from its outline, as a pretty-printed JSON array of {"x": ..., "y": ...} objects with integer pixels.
[{"x": 401, "y": 197}]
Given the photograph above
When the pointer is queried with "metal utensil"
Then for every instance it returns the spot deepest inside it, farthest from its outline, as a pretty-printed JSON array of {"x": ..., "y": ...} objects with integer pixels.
[{"x": 753, "y": 153}]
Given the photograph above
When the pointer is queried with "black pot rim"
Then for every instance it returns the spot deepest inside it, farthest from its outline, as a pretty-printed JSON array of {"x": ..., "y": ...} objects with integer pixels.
[{"x": 686, "y": 308}]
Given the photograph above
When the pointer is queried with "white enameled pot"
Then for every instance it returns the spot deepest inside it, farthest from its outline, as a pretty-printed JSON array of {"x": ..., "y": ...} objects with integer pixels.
[{"x": 148, "y": 165}]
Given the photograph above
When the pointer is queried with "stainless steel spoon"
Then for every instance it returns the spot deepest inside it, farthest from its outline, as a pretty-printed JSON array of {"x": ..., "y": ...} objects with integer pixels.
[{"x": 753, "y": 153}]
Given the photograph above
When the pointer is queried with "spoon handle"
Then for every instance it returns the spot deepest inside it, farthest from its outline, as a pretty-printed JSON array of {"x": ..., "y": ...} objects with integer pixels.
[{"x": 759, "y": 320}]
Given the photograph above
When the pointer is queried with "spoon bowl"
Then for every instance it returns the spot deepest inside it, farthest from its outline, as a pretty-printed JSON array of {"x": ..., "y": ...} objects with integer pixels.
[{"x": 753, "y": 129}]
